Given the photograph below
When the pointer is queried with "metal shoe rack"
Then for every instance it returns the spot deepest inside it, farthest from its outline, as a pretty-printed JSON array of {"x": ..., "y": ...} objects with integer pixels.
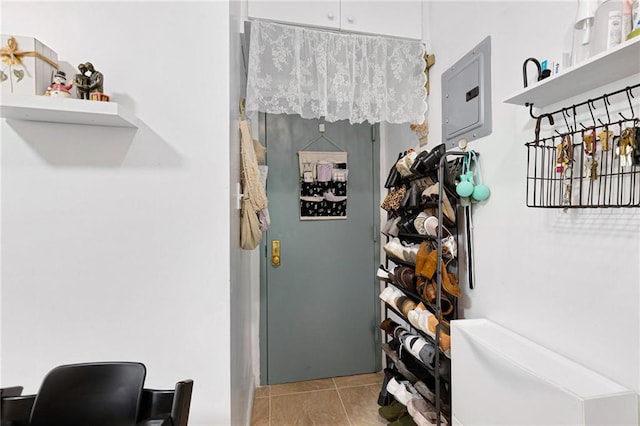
[
  {"x": 590, "y": 164},
  {"x": 440, "y": 397}
]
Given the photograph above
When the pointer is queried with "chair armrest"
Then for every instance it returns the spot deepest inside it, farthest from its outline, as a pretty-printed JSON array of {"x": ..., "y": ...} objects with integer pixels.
[
  {"x": 11, "y": 391},
  {"x": 173, "y": 404},
  {"x": 154, "y": 403},
  {"x": 161, "y": 420},
  {"x": 182, "y": 402},
  {"x": 16, "y": 410}
]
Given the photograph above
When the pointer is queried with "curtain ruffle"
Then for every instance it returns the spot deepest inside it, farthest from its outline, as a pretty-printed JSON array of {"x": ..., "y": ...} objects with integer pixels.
[{"x": 295, "y": 70}]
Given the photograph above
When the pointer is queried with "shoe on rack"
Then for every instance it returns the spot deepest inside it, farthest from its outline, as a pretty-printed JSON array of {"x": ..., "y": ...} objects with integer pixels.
[
  {"x": 384, "y": 275},
  {"x": 418, "y": 223},
  {"x": 449, "y": 247},
  {"x": 450, "y": 282},
  {"x": 423, "y": 414},
  {"x": 409, "y": 340},
  {"x": 419, "y": 318},
  {"x": 404, "y": 420},
  {"x": 389, "y": 326},
  {"x": 392, "y": 411},
  {"x": 432, "y": 193},
  {"x": 384, "y": 397},
  {"x": 405, "y": 305},
  {"x": 400, "y": 332},
  {"x": 390, "y": 295},
  {"x": 427, "y": 355},
  {"x": 396, "y": 249},
  {"x": 415, "y": 314},
  {"x": 429, "y": 293},
  {"x": 410, "y": 253},
  {"x": 445, "y": 339},
  {"x": 390, "y": 229},
  {"x": 416, "y": 346},
  {"x": 404, "y": 277},
  {"x": 426, "y": 261},
  {"x": 400, "y": 392}
]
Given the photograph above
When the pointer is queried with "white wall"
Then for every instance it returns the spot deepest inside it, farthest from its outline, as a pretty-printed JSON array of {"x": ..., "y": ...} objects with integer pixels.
[
  {"x": 114, "y": 241},
  {"x": 568, "y": 281},
  {"x": 244, "y": 343}
]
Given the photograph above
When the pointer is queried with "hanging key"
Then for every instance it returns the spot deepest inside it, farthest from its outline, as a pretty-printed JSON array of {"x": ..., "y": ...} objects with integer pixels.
[
  {"x": 587, "y": 166},
  {"x": 605, "y": 137},
  {"x": 589, "y": 141},
  {"x": 593, "y": 173}
]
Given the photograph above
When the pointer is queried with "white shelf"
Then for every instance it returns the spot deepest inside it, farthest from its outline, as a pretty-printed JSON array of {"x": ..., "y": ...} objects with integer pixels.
[
  {"x": 71, "y": 111},
  {"x": 620, "y": 62}
]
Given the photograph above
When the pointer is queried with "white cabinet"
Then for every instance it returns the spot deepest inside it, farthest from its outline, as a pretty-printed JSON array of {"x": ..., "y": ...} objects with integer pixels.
[
  {"x": 501, "y": 378},
  {"x": 397, "y": 18},
  {"x": 318, "y": 13},
  {"x": 392, "y": 18}
]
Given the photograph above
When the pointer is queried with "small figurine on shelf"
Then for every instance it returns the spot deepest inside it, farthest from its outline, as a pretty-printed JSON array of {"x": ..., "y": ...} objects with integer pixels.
[
  {"x": 96, "y": 84},
  {"x": 82, "y": 83},
  {"x": 58, "y": 87}
]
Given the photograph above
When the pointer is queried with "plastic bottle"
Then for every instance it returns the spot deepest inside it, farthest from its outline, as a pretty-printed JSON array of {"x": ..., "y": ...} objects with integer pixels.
[
  {"x": 602, "y": 22},
  {"x": 635, "y": 17},
  {"x": 627, "y": 19},
  {"x": 614, "y": 29}
]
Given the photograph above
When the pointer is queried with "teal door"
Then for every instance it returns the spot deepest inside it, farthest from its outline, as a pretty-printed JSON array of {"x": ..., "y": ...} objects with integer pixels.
[{"x": 319, "y": 307}]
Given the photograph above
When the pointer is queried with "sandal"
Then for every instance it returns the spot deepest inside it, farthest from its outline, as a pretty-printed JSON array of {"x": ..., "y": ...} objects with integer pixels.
[
  {"x": 445, "y": 339},
  {"x": 404, "y": 277},
  {"x": 432, "y": 193},
  {"x": 429, "y": 292}
]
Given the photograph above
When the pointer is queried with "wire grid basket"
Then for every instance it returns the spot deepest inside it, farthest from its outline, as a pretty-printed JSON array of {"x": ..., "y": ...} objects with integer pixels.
[{"x": 589, "y": 168}]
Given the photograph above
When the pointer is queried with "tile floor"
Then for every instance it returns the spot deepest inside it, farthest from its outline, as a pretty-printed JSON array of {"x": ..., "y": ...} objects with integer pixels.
[{"x": 348, "y": 401}]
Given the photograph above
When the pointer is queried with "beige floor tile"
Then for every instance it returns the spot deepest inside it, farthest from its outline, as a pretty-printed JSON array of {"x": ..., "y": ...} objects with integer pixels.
[
  {"x": 359, "y": 380},
  {"x": 261, "y": 392},
  {"x": 296, "y": 387},
  {"x": 260, "y": 413},
  {"x": 361, "y": 404},
  {"x": 321, "y": 408}
]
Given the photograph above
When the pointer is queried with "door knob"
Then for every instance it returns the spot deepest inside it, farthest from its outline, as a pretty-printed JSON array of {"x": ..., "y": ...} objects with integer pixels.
[
  {"x": 275, "y": 252},
  {"x": 350, "y": 19},
  {"x": 330, "y": 16}
]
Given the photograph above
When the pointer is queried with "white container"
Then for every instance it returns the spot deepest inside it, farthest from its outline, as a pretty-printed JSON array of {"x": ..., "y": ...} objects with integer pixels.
[
  {"x": 27, "y": 65},
  {"x": 601, "y": 25},
  {"x": 500, "y": 378},
  {"x": 582, "y": 31},
  {"x": 627, "y": 19},
  {"x": 614, "y": 29}
]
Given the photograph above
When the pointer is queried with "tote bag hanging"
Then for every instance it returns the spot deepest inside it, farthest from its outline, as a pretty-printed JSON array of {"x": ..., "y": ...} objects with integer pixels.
[{"x": 250, "y": 233}]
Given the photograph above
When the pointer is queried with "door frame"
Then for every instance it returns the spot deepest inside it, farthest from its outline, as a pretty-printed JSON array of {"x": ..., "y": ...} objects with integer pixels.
[{"x": 375, "y": 303}]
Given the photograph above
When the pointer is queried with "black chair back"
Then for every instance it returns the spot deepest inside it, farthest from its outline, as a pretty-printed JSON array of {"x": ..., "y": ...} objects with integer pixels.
[
  {"x": 96, "y": 394},
  {"x": 182, "y": 403}
]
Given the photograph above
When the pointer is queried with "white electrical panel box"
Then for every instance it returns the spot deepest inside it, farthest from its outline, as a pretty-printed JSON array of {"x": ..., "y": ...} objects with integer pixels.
[{"x": 466, "y": 96}]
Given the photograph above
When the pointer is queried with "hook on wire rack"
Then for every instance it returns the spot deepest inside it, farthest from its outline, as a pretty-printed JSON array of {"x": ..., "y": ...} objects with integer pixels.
[
  {"x": 629, "y": 96},
  {"x": 565, "y": 114},
  {"x": 530, "y": 105},
  {"x": 591, "y": 108},
  {"x": 539, "y": 120},
  {"x": 606, "y": 102}
]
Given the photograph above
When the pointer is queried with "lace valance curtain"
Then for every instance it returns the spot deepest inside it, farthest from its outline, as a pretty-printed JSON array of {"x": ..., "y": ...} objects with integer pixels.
[{"x": 295, "y": 70}]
